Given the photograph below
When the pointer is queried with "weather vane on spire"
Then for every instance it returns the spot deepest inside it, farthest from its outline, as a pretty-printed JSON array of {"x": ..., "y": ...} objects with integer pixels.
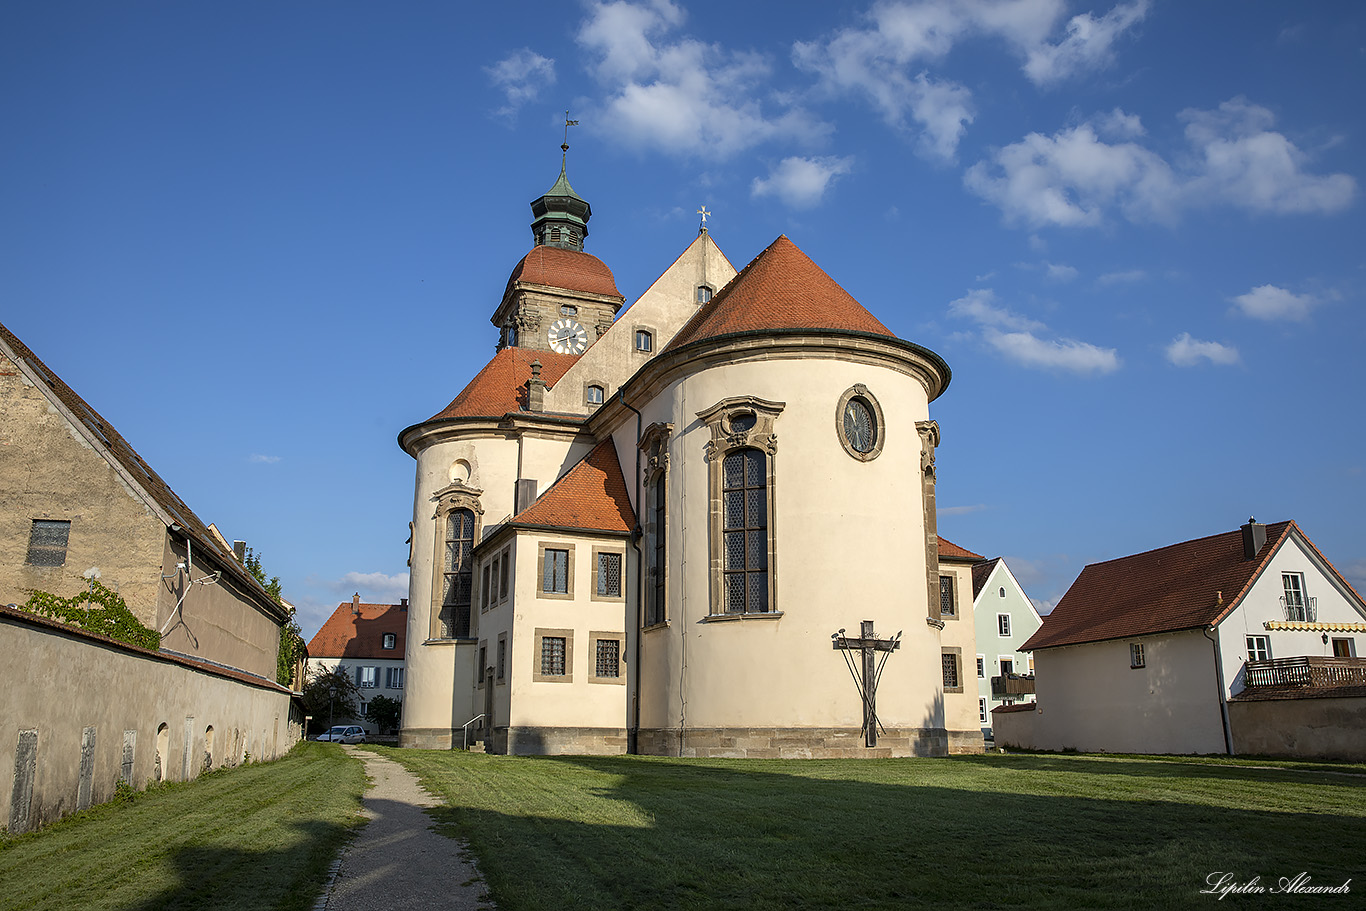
[
  {"x": 567, "y": 124},
  {"x": 705, "y": 213}
]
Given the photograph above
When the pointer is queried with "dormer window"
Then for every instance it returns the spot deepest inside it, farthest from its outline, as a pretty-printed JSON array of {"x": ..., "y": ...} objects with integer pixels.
[
  {"x": 704, "y": 293},
  {"x": 644, "y": 340},
  {"x": 390, "y": 640}
]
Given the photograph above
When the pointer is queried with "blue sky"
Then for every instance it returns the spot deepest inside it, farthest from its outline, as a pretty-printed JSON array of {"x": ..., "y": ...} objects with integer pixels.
[{"x": 263, "y": 238}]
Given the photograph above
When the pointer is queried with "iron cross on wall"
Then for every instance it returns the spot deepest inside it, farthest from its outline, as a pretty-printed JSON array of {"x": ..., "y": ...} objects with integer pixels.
[{"x": 867, "y": 672}]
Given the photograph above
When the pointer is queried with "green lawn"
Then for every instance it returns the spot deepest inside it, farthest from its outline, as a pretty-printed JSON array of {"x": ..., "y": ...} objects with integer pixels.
[
  {"x": 1019, "y": 831},
  {"x": 257, "y": 837}
]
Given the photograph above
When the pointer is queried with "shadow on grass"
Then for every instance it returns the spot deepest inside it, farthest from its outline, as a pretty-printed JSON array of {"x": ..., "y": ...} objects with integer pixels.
[
  {"x": 680, "y": 834},
  {"x": 1350, "y": 776},
  {"x": 216, "y": 878}
]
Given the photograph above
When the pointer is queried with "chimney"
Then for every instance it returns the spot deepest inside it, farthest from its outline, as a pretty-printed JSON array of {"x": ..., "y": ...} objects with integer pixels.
[
  {"x": 1254, "y": 538},
  {"x": 525, "y": 494},
  {"x": 355, "y": 604},
  {"x": 239, "y": 550},
  {"x": 403, "y": 604},
  {"x": 535, "y": 388}
]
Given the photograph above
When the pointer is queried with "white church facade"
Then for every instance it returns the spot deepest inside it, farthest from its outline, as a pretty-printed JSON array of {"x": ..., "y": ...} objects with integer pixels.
[{"x": 662, "y": 529}]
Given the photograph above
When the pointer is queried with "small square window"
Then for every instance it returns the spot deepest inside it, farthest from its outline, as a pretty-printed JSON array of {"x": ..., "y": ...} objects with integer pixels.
[
  {"x": 644, "y": 340},
  {"x": 1136, "y": 657},
  {"x": 609, "y": 575},
  {"x": 1003, "y": 625},
  {"x": 552, "y": 656},
  {"x": 1344, "y": 648},
  {"x": 704, "y": 294},
  {"x": 556, "y": 575},
  {"x": 608, "y": 658},
  {"x": 390, "y": 640},
  {"x": 593, "y": 395},
  {"x": 47, "y": 542},
  {"x": 1258, "y": 648}
]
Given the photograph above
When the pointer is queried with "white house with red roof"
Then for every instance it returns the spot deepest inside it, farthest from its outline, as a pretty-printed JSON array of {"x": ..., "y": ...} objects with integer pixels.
[
  {"x": 1003, "y": 618},
  {"x": 368, "y": 642},
  {"x": 1244, "y": 642},
  {"x": 700, "y": 525}
]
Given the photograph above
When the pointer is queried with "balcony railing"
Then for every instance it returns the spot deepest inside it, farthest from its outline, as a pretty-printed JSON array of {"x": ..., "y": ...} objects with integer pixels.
[
  {"x": 1306, "y": 671},
  {"x": 1300, "y": 608},
  {"x": 1012, "y": 685}
]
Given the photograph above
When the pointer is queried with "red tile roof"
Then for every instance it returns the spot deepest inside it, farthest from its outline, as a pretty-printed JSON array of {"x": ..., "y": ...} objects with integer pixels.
[
  {"x": 981, "y": 572},
  {"x": 568, "y": 269},
  {"x": 591, "y": 496},
  {"x": 949, "y": 550},
  {"x": 142, "y": 474},
  {"x": 350, "y": 635},
  {"x": 501, "y": 386},
  {"x": 1164, "y": 590},
  {"x": 780, "y": 289}
]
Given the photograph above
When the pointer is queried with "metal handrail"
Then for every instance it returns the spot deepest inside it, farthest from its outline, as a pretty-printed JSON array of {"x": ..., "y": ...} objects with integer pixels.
[
  {"x": 465, "y": 729},
  {"x": 1300, "y": 608}
]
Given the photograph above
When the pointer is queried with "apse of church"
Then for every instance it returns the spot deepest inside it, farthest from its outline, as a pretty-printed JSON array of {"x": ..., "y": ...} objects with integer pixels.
[{"x": 637, "y": 529}]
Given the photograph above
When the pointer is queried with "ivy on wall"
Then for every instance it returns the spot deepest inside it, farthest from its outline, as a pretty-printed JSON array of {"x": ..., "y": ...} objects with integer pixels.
[{"x": 99, "y": 610}]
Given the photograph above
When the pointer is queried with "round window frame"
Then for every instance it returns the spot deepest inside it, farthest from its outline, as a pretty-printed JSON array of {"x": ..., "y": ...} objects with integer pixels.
[{"x": 860, "y": 392}]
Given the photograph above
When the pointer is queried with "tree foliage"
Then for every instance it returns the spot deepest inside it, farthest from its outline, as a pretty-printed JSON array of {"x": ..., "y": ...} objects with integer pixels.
[
  {"x": 330, "y": 697},
  {"x": 386, "y": 713},
  {"x": 291, "y": 637},
  {"x": 98, "y": 610}
]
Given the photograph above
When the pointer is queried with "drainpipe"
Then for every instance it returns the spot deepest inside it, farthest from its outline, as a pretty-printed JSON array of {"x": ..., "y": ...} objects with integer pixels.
[
  {"x": 633, "y": 732},
  {"x": 1219, "y": 681}
]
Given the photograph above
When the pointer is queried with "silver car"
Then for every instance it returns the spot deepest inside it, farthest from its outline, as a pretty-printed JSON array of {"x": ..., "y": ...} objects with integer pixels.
[{"x": 344, "y": 733}]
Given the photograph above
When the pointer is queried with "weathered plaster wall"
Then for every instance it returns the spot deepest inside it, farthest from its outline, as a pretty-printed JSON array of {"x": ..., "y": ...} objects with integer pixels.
[
  {"x": 60, "y": 684},
  {"x": 1300, "y": 728}
]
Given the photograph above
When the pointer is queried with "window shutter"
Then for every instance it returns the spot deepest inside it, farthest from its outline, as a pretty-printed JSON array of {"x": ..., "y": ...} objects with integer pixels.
[{"x": 357, "y": 675}]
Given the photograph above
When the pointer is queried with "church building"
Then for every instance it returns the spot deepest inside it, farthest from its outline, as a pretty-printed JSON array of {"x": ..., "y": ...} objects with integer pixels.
[{"x": 700, "y": 525}]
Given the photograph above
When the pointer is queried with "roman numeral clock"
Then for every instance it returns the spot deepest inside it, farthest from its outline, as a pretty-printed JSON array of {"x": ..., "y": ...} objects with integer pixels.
[{"x": 567, "y": 336}]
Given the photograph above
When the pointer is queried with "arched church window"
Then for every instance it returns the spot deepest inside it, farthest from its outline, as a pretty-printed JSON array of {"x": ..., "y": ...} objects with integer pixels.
[
  {"x": 740, "y": 470},
  {"x": 457, "y": 575},
  {"x": 745, "y": 528},
  {"x": 654, "y": 608}
]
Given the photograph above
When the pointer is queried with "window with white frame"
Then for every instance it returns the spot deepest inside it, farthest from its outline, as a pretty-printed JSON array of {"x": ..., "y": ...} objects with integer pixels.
[
  {"x": 393, "y": 678},
  {"x": 1136, "y": 656},
  {"x": 390, "y": 641},
  {"x": 47, "y": 540},
  {"x": 1003, "y": 625},
  {"x": 1345, "y": 647},
  {"x": 1258, "y": 648},
  {"x": 1297, "y": 606},
  {"x": 593, "y": 394},
  {"x": 645, "y": 340},
  {"x": 981, "y": 710},
  {"x": 367, "y": 677},
  {"x": 981, "y": 667}
]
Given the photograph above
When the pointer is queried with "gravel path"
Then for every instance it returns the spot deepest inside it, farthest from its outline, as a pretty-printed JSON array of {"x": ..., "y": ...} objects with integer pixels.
[{"x": 398, "y": 860}]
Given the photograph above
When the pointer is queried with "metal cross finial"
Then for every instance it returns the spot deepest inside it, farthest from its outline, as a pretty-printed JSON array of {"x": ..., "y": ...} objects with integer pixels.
[
  {"x": 704, "y": 213},
  {"x": 567, "y": 124}
]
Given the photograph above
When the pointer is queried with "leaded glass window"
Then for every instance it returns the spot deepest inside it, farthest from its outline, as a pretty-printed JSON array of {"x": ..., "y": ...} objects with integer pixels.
[
  {"x": 503, "y": 581},
  {"x": 47, "y": 542},
  {"x": 946, "y": 605},
  {"x": 556, "y": 574},
  {"x": 608, "y": 663},
  {"x": 655, "y": 609},
  {"x": 457, "y": 575},
  {"x": 744, "y": 522},
  {"x": 609, "y": 575},
  {"x": 552, "y": 656},
  {"x": 950, "y": 670}
]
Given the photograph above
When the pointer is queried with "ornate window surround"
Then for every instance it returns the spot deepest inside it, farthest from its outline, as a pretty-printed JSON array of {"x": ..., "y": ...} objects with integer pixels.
[
  {"x": 654, "y": 442},
  {"x": 860, "y": 392},
  {"x": 726, "y": 438},
  {"x": 448, "y": 499}
]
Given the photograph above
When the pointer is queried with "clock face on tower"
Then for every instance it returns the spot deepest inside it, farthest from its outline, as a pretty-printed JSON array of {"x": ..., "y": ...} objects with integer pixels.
[{"x": 566, "y": 336}]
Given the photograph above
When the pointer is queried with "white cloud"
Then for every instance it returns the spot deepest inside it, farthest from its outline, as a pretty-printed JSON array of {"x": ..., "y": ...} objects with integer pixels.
[
  {"x": 377, "y": 587},
  {"x": 1075, "y": 178},
  {"x": 1185, "y": 351},
  {"x": 961, "y": 510},
  {"x": 521, "y": 75},
  {"x": 801, "y": 182},
  {"x": 680, "y": 95},
  {"x": 1044, "y": 606},
  {"x": 1059, "y": 272},
  {"x": 263, "y": 459},
  {"x": 886, "y": 60},
  {"x": 1014, "y": 337},
  {"x": 1124, "y": 277},
  {"x": 1269, "y": 302}
]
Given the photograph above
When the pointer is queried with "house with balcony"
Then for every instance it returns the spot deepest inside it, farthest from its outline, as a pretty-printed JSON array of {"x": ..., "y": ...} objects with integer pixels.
[
  {"x": 1244, "y": 642},
  {"x": 1003, "y": 617}
]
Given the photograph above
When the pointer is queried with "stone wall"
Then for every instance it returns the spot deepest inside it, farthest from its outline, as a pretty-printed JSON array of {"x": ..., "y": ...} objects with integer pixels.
[
  {"x": 82, "y": 712},
  {"x": 558, "y": 741},
  {"x": 1317, "y": 728},
  {"x": 792, "y": 743}
]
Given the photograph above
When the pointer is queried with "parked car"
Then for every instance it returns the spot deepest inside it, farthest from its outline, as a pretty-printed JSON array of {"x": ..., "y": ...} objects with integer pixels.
[{"x": 343, "y": 733}]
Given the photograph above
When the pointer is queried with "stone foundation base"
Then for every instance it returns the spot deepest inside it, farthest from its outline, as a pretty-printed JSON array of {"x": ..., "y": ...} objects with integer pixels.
[
  {"x": 961, "y": 742},
  {"x": 793, "y": 743},
  {"x": 428, "y": 738},
  {"x": 557, "y": 741}
]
